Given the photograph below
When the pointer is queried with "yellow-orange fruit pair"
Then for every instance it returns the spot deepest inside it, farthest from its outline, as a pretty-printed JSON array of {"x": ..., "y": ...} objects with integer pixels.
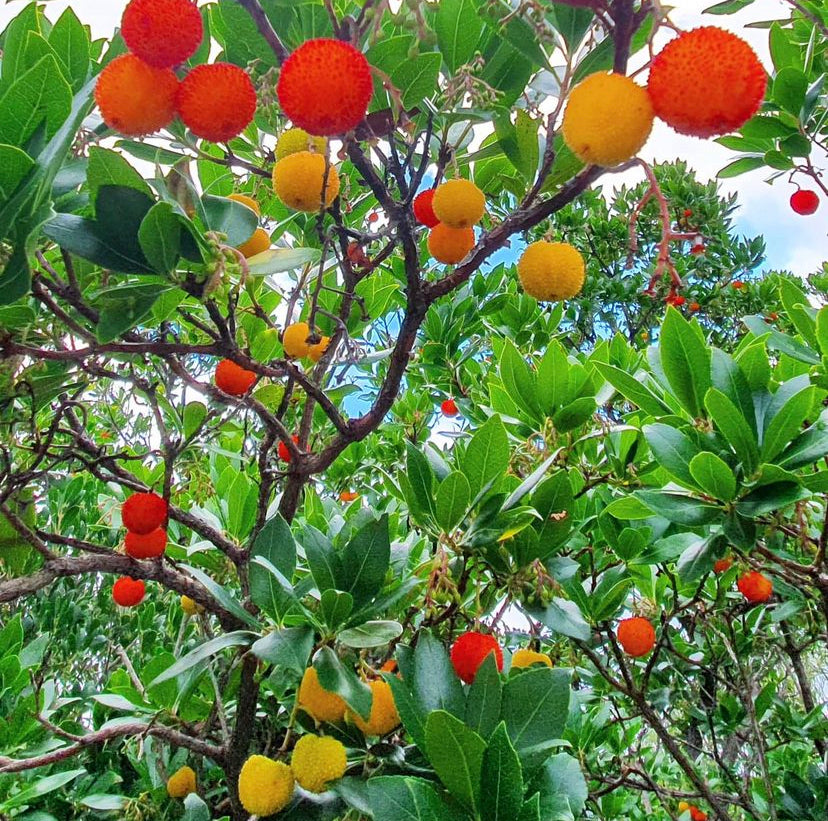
[
  {"x": 297, "y": 139},
  {"x": 450, "y": 245},
  {"x": 458, "y": 203},
  {"x": 384, "y": 716},
  {"x": 244, "y": 199},
  {"x": 317, "y": 702},
  {"x": 317, "y": 351},
  {"x": 295, "y": 340},
  {"x": 551, "y": 271},
  {"x": 301, "y": 179}
]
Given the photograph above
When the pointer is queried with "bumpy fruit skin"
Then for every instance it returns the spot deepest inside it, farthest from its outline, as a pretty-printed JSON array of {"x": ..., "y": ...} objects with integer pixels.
[
  {"x": 181, "y": 783},
  {"x": 384, "y": 716},
  {"x": 233, "y": 379},
  {"x": 804, "y": 202},
  {"x": 147, "y": 546},
  {"x": 216, "y": 101},
  {"x": 325, "y": 87},
  {"x": 163, "y": 33},
  {"x": 636, "y": 635},
  {"x": 459, "y": 203},
  {"x": 526, "y": 658},
  {"x": 318, "y": 760},
  {"x": 607, "y": 120},
  {"x": 706, "y": 82},
  {"x": 450, "y": 245},
  {"x": 299, "y": 180},
  {"x": 128, "y": 592},
  {"x": 248, "y": 201},
  {"x": 297, "y": 139},
  {"x": 295, "y": 339},
  {"x": 190, "y": 606},
  {"x": 551, "y": 271},
  {"x": 134, "y": 98},
  {"x": 449, "y": 408},
  {"x": 469, "y": 651},
  {"x": 755, "y": 587},
  {"x": 723, "y": 565},
  {"x": 142, "y": 513},
  {"x": 317, "y": 351},
  {"x": 259, "y": 242},
  {"x": 265, "y": 786},
  {"x": 318, "y": 702},
  {"x": 423, "y": 210},
  {"x": 282, "y": 449}
]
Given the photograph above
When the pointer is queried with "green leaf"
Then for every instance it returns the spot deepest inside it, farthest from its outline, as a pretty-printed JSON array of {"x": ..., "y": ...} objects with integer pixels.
[
  {"x": 785, "y": 424},
  {"x": 70, "y": 42},
  {"x": 685, "y": 360},
  {"x": 421, "y": 481},
  {"x": 561, "y": 787},
  {"x": 502, "y": 774},
  {"x": 15, "y": 38},
  {"x": 740, "y": 166},
  {"x": 124, "y": 307},
  {"x": 633, "y": 389},
  {"x": 487, "y": 455},
  {"x": 456, "y": 753},
  {"x": 404, "y": 798},
  {"x": 452, "y": 501},
  {"x": 274, "y": 543},
  {"x": 335, "y": 607},
  {"x": 14, "y": 165},
  {"x": 459, "y": 28},
  {"x": 337, "y": 678},
  {"x": 107, "y": 167},
  {"x": 288, "y": 648},
  {"x": 371, "y": 634},
  {"x": 365, "y": 561},
  {"x": 564, "y": 617},
  {"x": 238, "y": 638},
  {"x": 574, "y": 414},
  {"x": 766, "y": 127},
  {"x": 411, "y": 714},
  {"x": 735, "y": 429},
  {"x": 781, "y": 342},
  {"x": 789, "y": 88},
  {"x": 194, "y": 414},
  {"x": 484, "y": 698},
  {"x": 225, "y": 216},
  {"x": 323, "y": 561},
  {"x": 41, "y": 787},
  {"x": 571, "y": 22},
  {"x": 807, "y": 448},
  {"x": 435, "y": 685},
  {"x": 519, "y": 381},
  {"x": 417, "y": 78},
  {"x": 728, "y": 377},
  {"x": 195, "y": 809},
  {"x": 103, "y": 802},
  {"x": 553, "y": 379},
  {"x": 230, "y": 604},
  {"x": 713, "y": 476},
  {"x": 678, "y": 508},
  {"x": 772, "y": 497},
  {"x": 673, "y": 450}
]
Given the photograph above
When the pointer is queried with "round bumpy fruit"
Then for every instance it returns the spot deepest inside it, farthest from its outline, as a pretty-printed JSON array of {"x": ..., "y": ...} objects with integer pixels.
[
  {"x": 459, "y": 204},
  {"x": 325, "y": 87},
  {"x": 607, "y": 120},
  {"x": 755, "y": 587},
  {"x": 526, "y": 658},
  {"x": 551, "y": 271},
  {"x": 128, "y": 592},
  {"x": 248, "y": 201},
  {"x": 450, "y": 245},
  {"x": 706, "y": 82},
  {"x": 190, "y": 606},
  {"x": 181, "y": 783},
  {"x": 142, "y": 513},
  {"x": 317, "y": 351},
  {"x": 384, "y": 716},
  {"x": 449, "y": 408},
  {"x": 134, "y": 98},
  {"x": 265, "y": 786},
  {"x": 301, "y": 179},
  {"x": 423, "y": 210},
  {"x": 636, "y": 635},
  {"x": 282, "y": 449},
  {"x": 805, "y": 202},
  {"x": 147, "y": 546},
  {"x": 216, "y": 101},
  {"x": 317, "y": 702},
  {"x": 259, "y": 242},
  {"x": 233, "y": 379},
  {"x": 723, "y": 565},
  {"x": 316, "y": 761},
  {"x": 469, "y": 651},
  {"x": 295, "y": 140},
  {"x": 295, "y": 340},
  {"x": 163, "y": 33}
]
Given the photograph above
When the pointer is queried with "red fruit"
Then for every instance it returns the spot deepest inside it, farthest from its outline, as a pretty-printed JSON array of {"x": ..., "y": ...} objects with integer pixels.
[
  {"x": 422, "y": 208},
  {"x": 687, "y": 213},
  {"x": 697, "y": 815},
  {"x": 706, "y": 82},
  {"x": 772, "y": 316},
  {"x": 142, "y": 513},
  {"x": 469, "y": 651},
  {"x": 216, "y": 102},
  {"x": 348, "y": 496},
  {"x": 449, "y": 408},
  {"x": 737, "y": 284},
  {"x": 325, "y": 87},
  {"x": 163, "y": 33},
  {"x": 804, "y": 202},
  {"x": 694, "y": 306},
  {"x": 697, "y": 248},
  {"x": 636, "y": 635},
  {"x": 723, "y": 565},
  {"x": 676, "y": 300},
  {"x": 373, "y": 216},
  {"x": 146, "y": 546},
  {"x": 282, "y": 449},
  {"x": 233, "y": 379},
  {"x": 755, "y": 587},
  {"x": 128, "y": 592}
]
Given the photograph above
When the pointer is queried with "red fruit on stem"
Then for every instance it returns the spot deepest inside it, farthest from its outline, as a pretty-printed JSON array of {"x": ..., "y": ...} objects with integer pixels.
[
  {"x": 128, "y": 592},
  {"x": 233, "y": 378},
  {"x": 449, "y": 408},
  {"x": 737, "y": 284},
  {"x": 142, "y": 513},
  {"x": 636, "y": 635},
  {"x": 694, "y": 306},
  {"x": 723, "y": 565},
  {"x": 804, "y": 202},
  {"x": 163, "y": 33},
  {"x": 146, "y": 546},
  {"x": 282, "y": 449},
  {"x": 422, "y": 208},
  {"x": 469, "y": 651},
  {"x": 755, "y": 587}
]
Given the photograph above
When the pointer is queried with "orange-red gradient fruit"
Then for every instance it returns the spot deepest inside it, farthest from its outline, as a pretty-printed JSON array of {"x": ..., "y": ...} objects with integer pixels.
[
  {"x": 325, "y": 87},
  {"x": 216, "y": 101},
  {"x": 423, "y": 210},
  {"x": 233, "y": 378},
  {"x": 469, "y": 651},
  {"x": 142, "y": 513},
  {"x": 723, "y": 565},
  {"x": 636, "y": 635},
  {"x": 450, "y": 245},
  {"x": 162, "y": 33},
  {"x": 127, "y": 592},
  {"x": 134, "y": 98},
  {"x": 706, "y": 82},
  {"x": 146, "y": 546},
  {"x": 282, "y": 449},
  {"x": 755, "y": 587},
  {"x": 449, "y": 408}
]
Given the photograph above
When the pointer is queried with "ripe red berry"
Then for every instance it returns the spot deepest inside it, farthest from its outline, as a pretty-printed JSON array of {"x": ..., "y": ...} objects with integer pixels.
[
  {"x": 737, "y": 284},
  {"x": 373, "y": 216},
  {"x": 163, "y": 33},
  {"x": 282, "y": 449},
  {"x": 422, "y": 208},
  {"x": 233, "y": 379},
  {"x": 687, "y": 213},
  {"x": 142, "y": 513},
  {"x": 636, "y": 635},
  {"x": 127, "y": 592},
  {"x": 469, "y": 651},
  {"x": 755, "y": 587},
  {"x": 723, "y": 565},
  {"x": 146, "y": 546},
  {"x": 325, "y": 87},
  {"x": 694, "y": 306},
  {"x": 697, "y": 815},
  {"x": 449, "y": 408},
  {"x": 676, "y": 300},
  {"x": 804, "y": 202}
]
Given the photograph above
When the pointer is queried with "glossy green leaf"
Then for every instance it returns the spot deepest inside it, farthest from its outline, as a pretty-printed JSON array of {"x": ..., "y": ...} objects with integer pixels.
[
  {"x": 456, "y": 753},
  {"x": 502, "y": 774},
  {"x": 713, "y": 476}
]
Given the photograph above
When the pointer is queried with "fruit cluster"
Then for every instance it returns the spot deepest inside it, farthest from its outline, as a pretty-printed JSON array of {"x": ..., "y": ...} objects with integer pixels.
[{"x": 450, "y": 211}]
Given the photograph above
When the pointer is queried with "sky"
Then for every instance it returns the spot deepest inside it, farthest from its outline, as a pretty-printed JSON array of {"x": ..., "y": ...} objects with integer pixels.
[{"x": 793, "y": 242}]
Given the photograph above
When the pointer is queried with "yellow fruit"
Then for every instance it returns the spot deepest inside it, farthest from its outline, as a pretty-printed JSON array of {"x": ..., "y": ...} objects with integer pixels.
[
  {"x": 526, "y": 658},
  {"x": 607, "y": 120},
  {"x": 248, "y": 201},
  {"x": 384, "y": 716},
  {"x": 295, "y": 340},
  {"x": 316, "y": 761},
  {"x": 190, "y": 607},
  {"x": 299, "y": 179},
  {"x": 296, "y": 139},
  {"x": 317, "y": 351},
  {"x": 683, "y": 806},
  {"x": 551, "y": 271},
  {"x": 265, "y": 785},
  {"x": 181, "y": 783},
  {"x": 317, "y": 702},
  {"x": 459, "y": 204},
  {"x": 260, "y": 241},
  {"x": 450, "y": 245}
]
